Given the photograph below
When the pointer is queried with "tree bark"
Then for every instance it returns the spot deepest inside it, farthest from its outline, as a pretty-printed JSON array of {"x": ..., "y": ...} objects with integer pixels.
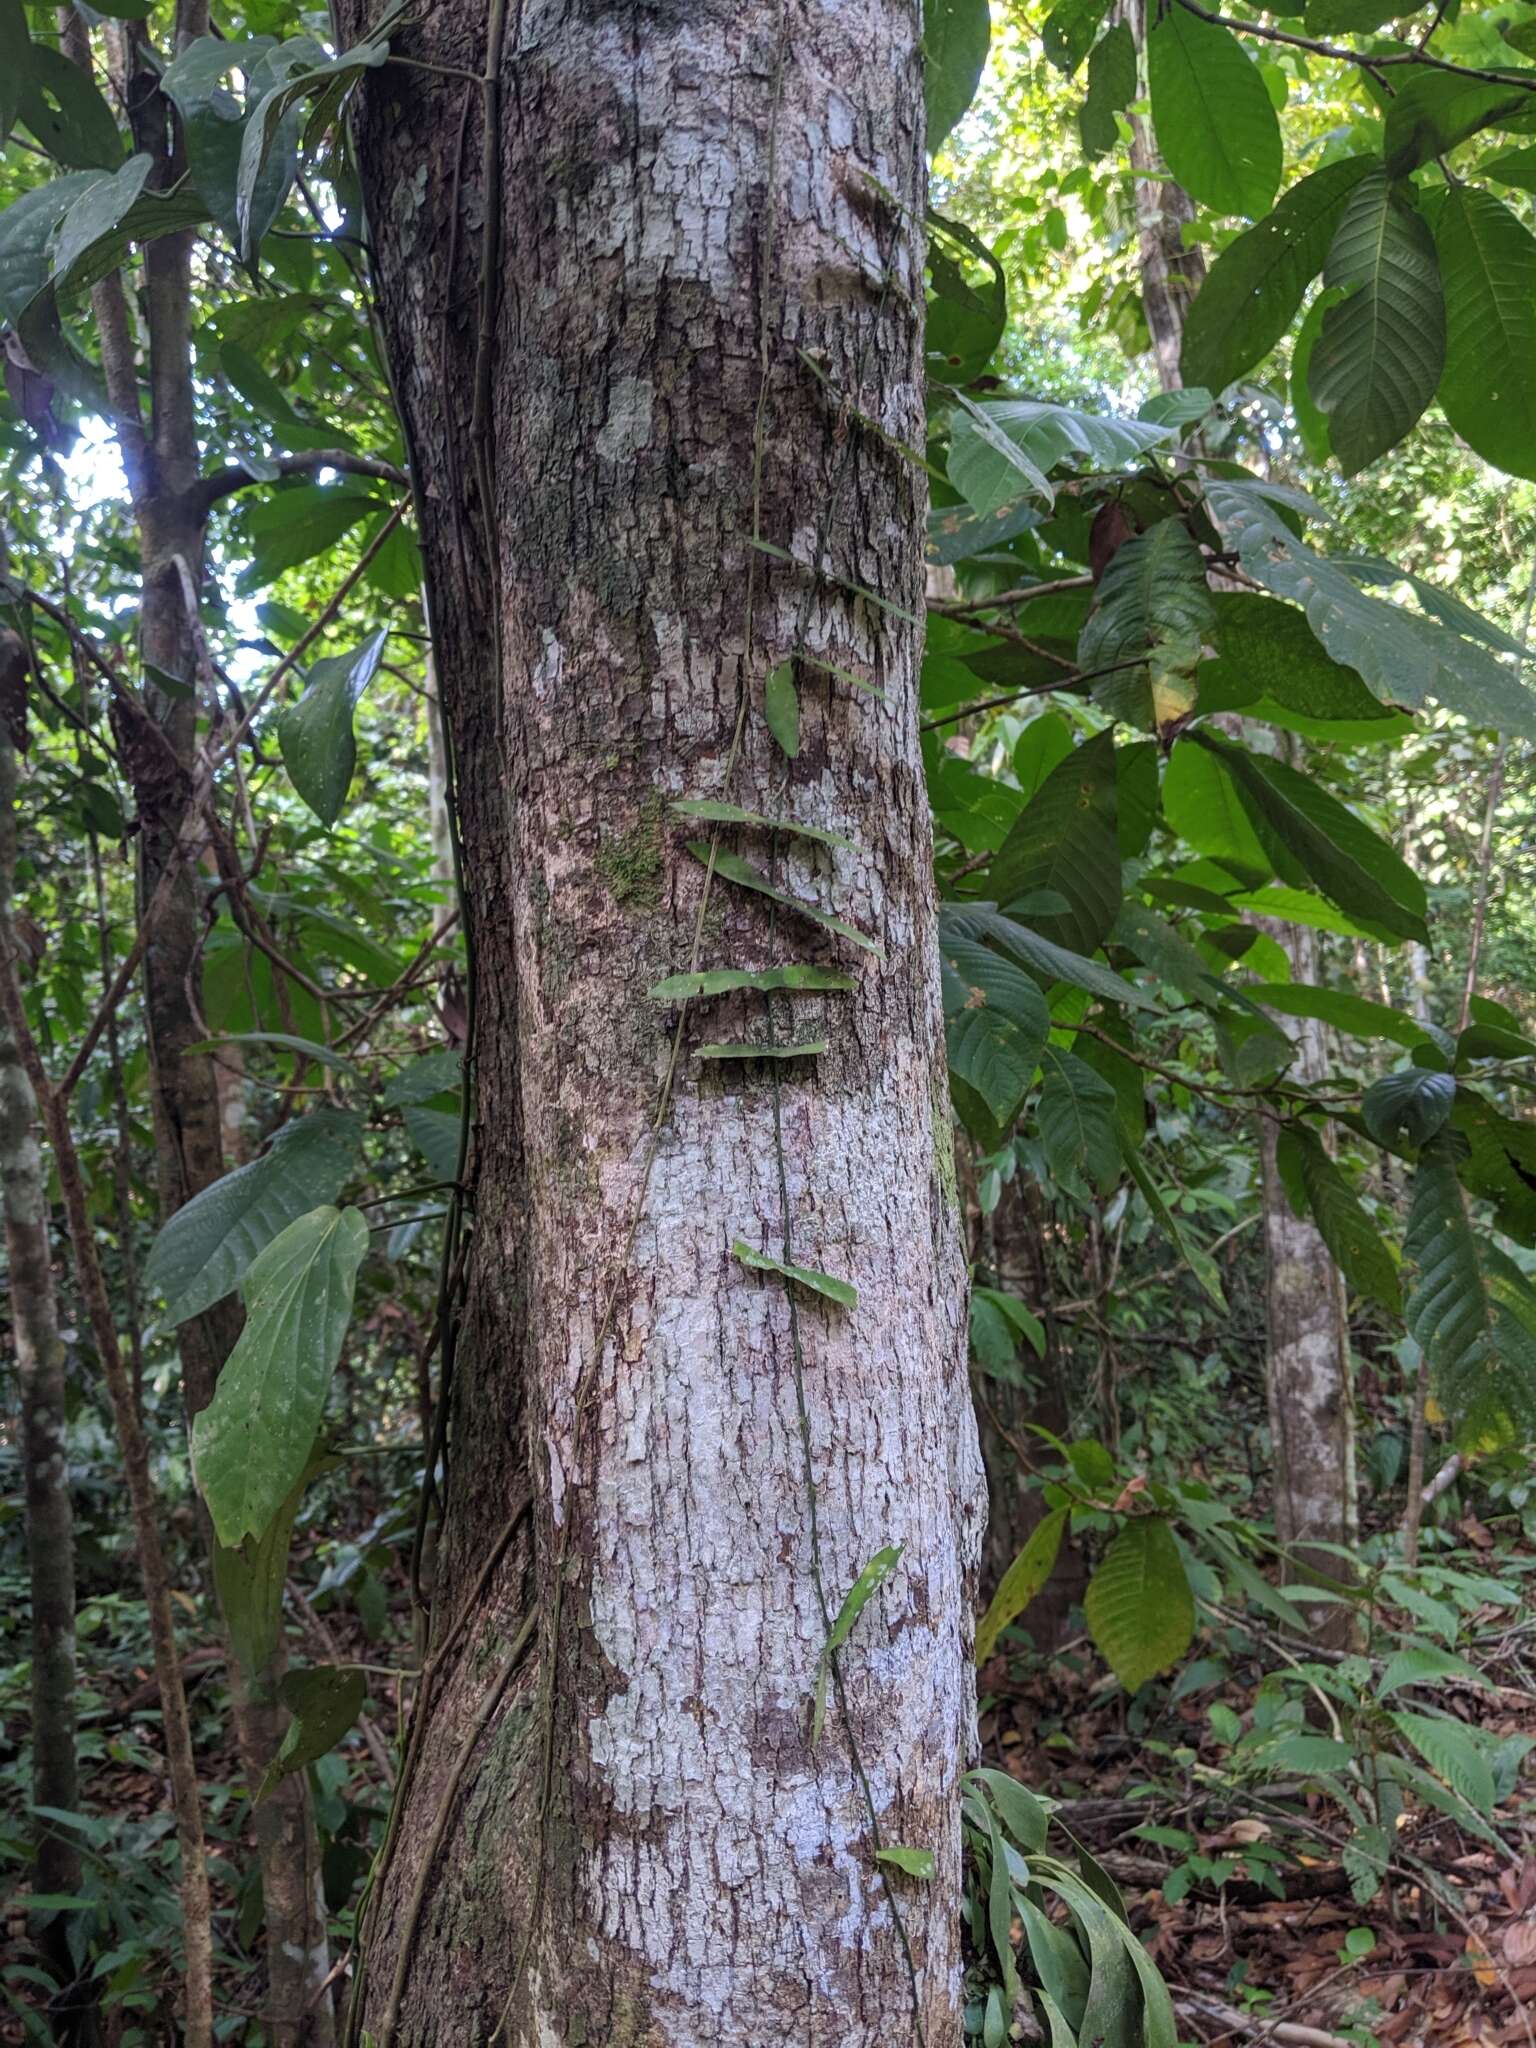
[
  {"x": 688, "y": 198},
  {"x": 45, "y": 1470}
]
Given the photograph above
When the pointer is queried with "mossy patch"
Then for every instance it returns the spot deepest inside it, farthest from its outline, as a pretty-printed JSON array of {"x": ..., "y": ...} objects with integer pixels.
[{"x": 630, "y": 862}]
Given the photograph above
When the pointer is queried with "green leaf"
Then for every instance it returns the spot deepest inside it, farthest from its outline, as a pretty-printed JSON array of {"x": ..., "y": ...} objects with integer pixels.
[
  {"x": 1215, "y": 122},
  {"x": 1431, "y": 111},
  {"x": 1408, "y": 1107},
  {"x": 1309, "y": 834},
  {"x": 1252, "y": 290},
  {"x": 1342, "y": 1008},
  {"x": 1488, "y": 266},
  {"x": 1451, "y": 1754},
  {"x": 1067, "y": 34},
  {"x": 296, "y": 524},
  {"x": 318, "y": 744},
  {"x": 64, "y": 113},
  {"x": 1153, "y": 597},
  {"x": 988, "y": 466},
  {"x": 1201, "y": 805},
  {"x": 956, "y": 35},
  {"x": 996, "y": 1023},
  {"x": 1065, "y": 841},
  {"x": 965, "y": 323},
  {"x": 265, "y": 396},
  {"x": 1382, "y": 346},
  {"x": 781, "y": 707},
  {"x": 1199, "y": 1262},
  {"x": 915, "y": 1862},
  {"x": 296, "y": 75},
  {"x": 1357, "y": 1246},
  {"x": 434, "y": 1073},
  {"x": 1267, "y": 651},
  {"x": 857, "y": 1598},
  {"x": 307, "y": 1048},
  {"x": 1402, "y": 657},
  {"x": 213, "y": 123},
  {"x": 1003, "y": 447},
  {"x": 207, "y": 1247},
  {"x": 1021, "y": 1582},
  {"x": 251, "y": 1443},
  {"x": 719, "y": 981},
  {"x": 732, "y": 868},
  {"x": 806, "y": 1049},
  {"x": 1050, "y": 962},
  {"x": 435, "y": 1134},
  {"x": 1112, "y": 85},
  {"x": 1310, "y": 422},
  {"x": 1019, "y": 1813},
  {"x": 15, "y": 63},
  {"x": 1139, "y": 1608},
  {"x": 1515, "y": 167},
  {"x": 250, "y": 1580},
  {"x": 840, "y": 1291},
  {"x": 97, "y": 211},
  {"x": 1421, "y": 1665},
  {"x": 324, "y": 1702},
  {"x": 1078, "y": 1121},
  {"x": 26, "y": 232},
  {"x": 733, "y": 814}
]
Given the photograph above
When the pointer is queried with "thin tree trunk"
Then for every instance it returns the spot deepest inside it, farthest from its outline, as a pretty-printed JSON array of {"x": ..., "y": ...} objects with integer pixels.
[
  {"x": 40, "y": 1387},
  {"x": 631, "y": 1839},
  {"x": 1308, "y": 1382}
]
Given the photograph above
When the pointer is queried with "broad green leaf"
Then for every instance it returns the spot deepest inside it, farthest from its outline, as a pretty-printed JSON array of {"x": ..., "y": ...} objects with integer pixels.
[
  {"x": 733, "y": 814},
  {"x": 1043, "y": 958},
  {"x": 806, "y": 1049},
  {"x": 1078, "y": 1121},
  {"x": 207, "y": 1247},
  {"x": 63, "y": 112},
  {"x": 1382, "y": 346},
  {"x": 97, "y": 211},
  {"x": 1266, "y": 650},
  {"x": 996, "y": 1023},
  {"x": 1311, "y": 423},
  {"x": 1067, "y": 33},
  {"x": 915, "y": 1862},
  {"x": 956, "y": 34},
  {"x": 732, "y": 868},
  {"x": 1310, "y": 835},
  {"x": 296, "y": 75},
  {"x": 213, "y": 123},
  {"x": 1488, "y": 267},
  {"x": 1019, "y": 1813},
  {"x": 1483, "y": 1369},
  {"x": 307, "y": 1048},
  {"x": 265, "y": 396},
  {"x": 781, "y": 707},
  {"x": 252, "y": 1442},
  {"x": 719, "y": 981},
  {"x": 1215, "y": 122},
  {"x": 1139, "y": 1608},
  {"x": 250, "y": 1580},
  {"x": 1420, "y": 1664},
  {"x": 26, "y": 233},
  {"x": 1252, "y": 290},
  {"x": 966, "y": 319},
  {"x": 1431, "y": 111},
  {"x": 15, "y": 63},
  {"x": 1357, "y": 1246},
  {"x": 988, "y": 466},
  {"x": 318, "y": 744},
  {"x": 434, "y": 1073},
  {"x": 1152, "y": 600},
  {"x": 295, "y": 524},
  {"x": 988, "y": 982},
  {"x": 1409, "y": 1106},
  {"x": 1515, "y": 167},
  {"x": 435, "y": 1134},
  {"x": 1402, "y": 657},
  {"x": 1201, "y": 804},
  {"x": 1452, "y": 1754},
  {"x": 1021, "y": 1582},
  {"x": 1064, "y": 841},
  {"x": 1112, "y": 86},
  {"x": 998, "y": 1321},
  {"x": 840, "y": 1291},
  {"x": 1342, "y": 1008},
  {"x": 324, "y": 1702},
  {"x": 857, "y": 1598}
]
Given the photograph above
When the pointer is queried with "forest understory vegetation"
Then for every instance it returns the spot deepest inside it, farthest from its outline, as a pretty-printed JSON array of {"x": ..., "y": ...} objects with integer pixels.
[{"x": 768, "y": 1024}]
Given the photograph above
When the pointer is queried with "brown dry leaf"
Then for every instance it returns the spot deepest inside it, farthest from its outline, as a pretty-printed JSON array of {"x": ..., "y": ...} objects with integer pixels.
[
  {"x": 1482, "y": 1963},
  {"x": 1518, "y": 1942}
]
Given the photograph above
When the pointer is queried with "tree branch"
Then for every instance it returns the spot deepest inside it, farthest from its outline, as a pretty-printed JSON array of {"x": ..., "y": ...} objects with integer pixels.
[
  {"x": 224, "y": 482},
  {"x": 1358, "y": 58}
]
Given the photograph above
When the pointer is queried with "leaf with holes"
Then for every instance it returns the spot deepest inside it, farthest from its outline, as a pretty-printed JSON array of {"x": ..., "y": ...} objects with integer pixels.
[
  {"x": 1139, "y": 1608},
  {"x": 1252, "y": 290},
  {"x": 253, "y": 1440},
  {"x": 1382, "y": 346},
  {"x": 1021, "y": 1582},
  {"x": 1067, "y": 33},
  {"x": 1488, "y": 267},
  {"x": 1216, "y": 124},
  {"x": 207, "y": 1247}
]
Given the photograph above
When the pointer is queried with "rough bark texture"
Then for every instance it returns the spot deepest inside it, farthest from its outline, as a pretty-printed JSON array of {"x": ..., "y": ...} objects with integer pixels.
[
  {"x": 45, "y": 1473},
  {"x": 708, "y": 1877},
  {"x": 1171, "y": 274}
]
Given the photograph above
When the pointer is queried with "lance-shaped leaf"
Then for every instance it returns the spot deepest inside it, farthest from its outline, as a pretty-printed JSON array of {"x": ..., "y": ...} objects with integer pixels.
[
  {"x": 296, "y": 75},
  {"x": 206, "y": 1248},
  {"x": 857, "y": 1598},
  {"x": 1431, "y": 111},
  {"x": 1021, "y": 1582},
  {"x": 732, "y": 868},
  {"x": 324, "y": 1702},
  {"x": 841, "y": 1291},
  {"x": 62, "y": 110},
  {"x": 713, "y": 812},
  {"x": 956, "y": 34},
  {"x": 1488, "y": 268},
  {"x": 26, "y": 232},
  {"x": 214, "y": 124},
  {"x": 1064, "y": 844},
  {"x": 719, "y": 981},
  {"x": 1078, "y": 1116},
  {"x": 1111, "y": 87},
  {"x": 1357, "y": 1246},
  {"x": 1252, "y": 290},
  {"x": 98, "y": 210},
  {"x": 1382, "y": 346},
  {"x": 1153, "y": 601},
  {"x": 1215, "y": 122},
  {"x": 251, "y": 1443},
  {"x": 1139, "y": 1608},
  {"x": 318, "y": 743},
  {"x": 996, "y": 1024},
  {"x": 1043, "y": 957}
]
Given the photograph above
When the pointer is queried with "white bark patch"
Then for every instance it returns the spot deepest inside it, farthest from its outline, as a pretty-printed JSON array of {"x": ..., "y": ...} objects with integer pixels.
[{"x": 629, "y": 419}]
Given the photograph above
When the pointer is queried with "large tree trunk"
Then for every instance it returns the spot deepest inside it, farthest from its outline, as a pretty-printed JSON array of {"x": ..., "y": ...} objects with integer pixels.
[
  {"x": 683, "y": 191},
  {"x": 40, "y": 1387}
]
